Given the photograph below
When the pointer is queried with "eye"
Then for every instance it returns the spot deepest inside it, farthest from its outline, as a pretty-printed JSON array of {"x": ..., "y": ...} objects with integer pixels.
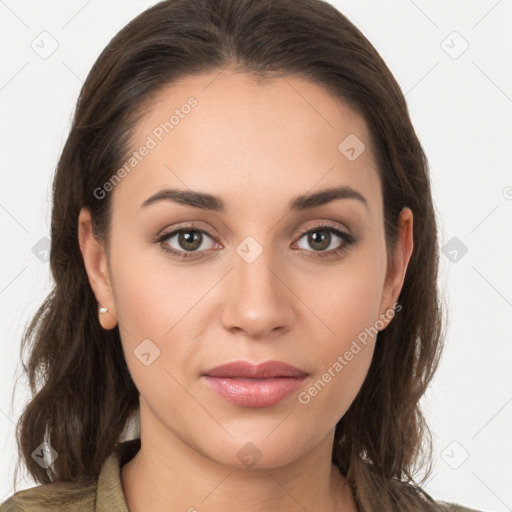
[
  {"x": 324, "y": 245},
  {"x": 185, "y": 242}
]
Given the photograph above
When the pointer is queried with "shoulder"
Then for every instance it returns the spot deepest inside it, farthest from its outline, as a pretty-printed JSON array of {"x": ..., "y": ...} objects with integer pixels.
[
  {"x": 452, "y": 507},
  {"x": 62, "y": 496},
  {"x": 427, "y": 502},
  {"x": 104, "y": 492}
]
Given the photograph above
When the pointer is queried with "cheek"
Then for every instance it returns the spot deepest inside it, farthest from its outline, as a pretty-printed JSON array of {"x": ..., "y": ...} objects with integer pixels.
[
  {"x": 349, "y": 298},
  {"x": 348, "y": 303},
  {"x": 157, "y": 312},
  {"x": 342, "y": 359},
  {"x": 159, "y": 303},
  {"x": 151, "y": 294}
]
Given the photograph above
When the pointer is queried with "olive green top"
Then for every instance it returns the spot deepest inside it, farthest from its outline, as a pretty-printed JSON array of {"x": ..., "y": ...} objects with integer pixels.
[{"x": 104, "y": 495}]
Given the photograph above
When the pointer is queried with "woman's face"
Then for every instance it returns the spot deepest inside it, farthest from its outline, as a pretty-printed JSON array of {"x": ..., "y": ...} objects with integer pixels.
[{"x": 255, "y": 286}]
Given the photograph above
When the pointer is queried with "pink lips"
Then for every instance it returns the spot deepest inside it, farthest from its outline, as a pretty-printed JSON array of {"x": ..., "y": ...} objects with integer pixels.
[{"x": 250, "y": 385}]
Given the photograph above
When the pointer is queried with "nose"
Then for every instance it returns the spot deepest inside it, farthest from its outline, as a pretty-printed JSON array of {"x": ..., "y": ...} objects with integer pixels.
[{"x": 258, "y": 300}]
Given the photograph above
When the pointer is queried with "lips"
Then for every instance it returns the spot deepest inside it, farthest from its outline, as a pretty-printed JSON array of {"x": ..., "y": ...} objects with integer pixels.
[
  {"x": 244, "y": 369},
  {"x": 254, "y": 385}
]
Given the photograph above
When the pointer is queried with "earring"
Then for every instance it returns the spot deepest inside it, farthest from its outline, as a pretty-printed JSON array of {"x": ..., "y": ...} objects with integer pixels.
[{"x": 106, "y": 321}]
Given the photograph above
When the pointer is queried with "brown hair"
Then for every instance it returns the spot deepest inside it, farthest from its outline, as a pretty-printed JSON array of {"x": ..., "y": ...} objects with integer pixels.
[{"x": 83, "y": 394}]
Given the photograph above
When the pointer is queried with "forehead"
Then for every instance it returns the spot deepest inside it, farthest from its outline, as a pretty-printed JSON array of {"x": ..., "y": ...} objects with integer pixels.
[{"x": 230, "y": 135}]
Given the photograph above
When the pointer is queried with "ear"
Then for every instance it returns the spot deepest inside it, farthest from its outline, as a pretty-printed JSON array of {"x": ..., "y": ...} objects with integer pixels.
[
  {"x": 397, "y": 266},
  {"x": 95, "y": 262}
]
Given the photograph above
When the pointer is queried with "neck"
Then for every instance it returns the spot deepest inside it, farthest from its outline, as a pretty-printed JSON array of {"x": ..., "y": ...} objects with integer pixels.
[{"x": 166, "y": 472}]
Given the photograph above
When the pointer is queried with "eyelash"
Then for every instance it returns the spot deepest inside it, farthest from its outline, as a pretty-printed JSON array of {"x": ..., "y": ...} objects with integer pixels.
[{"x": 325, "y": 226}]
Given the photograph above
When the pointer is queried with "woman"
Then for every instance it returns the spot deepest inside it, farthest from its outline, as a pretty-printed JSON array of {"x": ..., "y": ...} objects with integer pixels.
[{"x": 245, "y": 257}]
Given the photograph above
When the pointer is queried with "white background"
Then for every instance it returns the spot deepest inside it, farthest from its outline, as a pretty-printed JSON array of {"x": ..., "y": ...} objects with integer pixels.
[{"x": 461, "y": 106}]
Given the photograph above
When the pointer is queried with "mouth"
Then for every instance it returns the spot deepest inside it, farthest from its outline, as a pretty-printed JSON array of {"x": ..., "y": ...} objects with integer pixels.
[{"x": 254, "y": 385}]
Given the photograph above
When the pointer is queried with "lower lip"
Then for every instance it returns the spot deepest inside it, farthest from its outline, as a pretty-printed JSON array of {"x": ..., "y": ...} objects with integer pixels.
[{"x": 254, "y": 392}]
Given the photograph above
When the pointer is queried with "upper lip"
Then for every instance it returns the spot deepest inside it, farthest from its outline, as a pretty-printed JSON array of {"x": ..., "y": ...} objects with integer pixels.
[{"x": 248, "y": 370}]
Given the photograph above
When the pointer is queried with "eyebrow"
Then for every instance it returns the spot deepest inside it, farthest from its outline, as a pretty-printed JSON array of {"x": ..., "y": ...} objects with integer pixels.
[{"x": 213, "y": 203}]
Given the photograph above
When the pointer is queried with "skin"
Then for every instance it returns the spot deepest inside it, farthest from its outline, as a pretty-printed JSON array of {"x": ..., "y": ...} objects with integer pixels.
[{"x": 256, "y": 145}]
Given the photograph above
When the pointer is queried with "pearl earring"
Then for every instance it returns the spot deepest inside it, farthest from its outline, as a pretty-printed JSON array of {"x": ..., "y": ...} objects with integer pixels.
[{"x": 103, "y": 309}]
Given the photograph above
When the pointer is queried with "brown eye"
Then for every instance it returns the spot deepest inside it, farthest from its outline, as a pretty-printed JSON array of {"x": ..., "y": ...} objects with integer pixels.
[
  {"x": 190, "y": 240},
  {"x": 185, "y": 242},
  {"x": 326, "y": 241},
  {"x": 319, "y": 239}
]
